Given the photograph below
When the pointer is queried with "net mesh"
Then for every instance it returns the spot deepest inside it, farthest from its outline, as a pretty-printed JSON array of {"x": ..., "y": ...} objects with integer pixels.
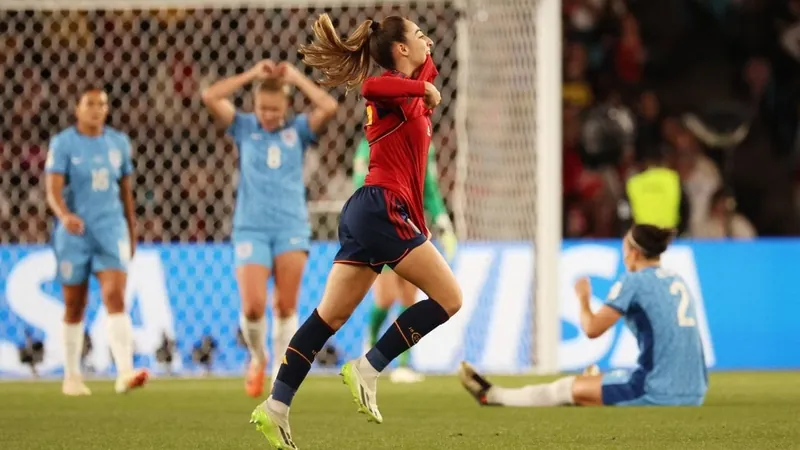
[
  {"x": 498, "y": 157},
  {"x": 153, "y": 64}
]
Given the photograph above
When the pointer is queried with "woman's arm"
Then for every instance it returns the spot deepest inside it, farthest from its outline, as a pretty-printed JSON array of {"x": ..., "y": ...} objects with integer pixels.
[
  {"x": 594, "y": 325},
  {"x": 324, "y": 105},
  {"x": 216, "y": 96}
]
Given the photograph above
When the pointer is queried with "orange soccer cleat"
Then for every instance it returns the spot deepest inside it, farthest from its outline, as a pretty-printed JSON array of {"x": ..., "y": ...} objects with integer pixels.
[
  {"x": 254, "y": 382},
  {"x": 130, "y": 381}
]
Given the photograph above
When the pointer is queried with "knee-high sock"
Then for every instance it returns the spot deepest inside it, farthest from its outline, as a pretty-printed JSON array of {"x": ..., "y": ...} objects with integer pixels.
[
  {"x": 120, "y": 339},
  {"x": 557, "y": 393},
  {"x": 412, "y": 325},
  {"x": 73, "y": 347},
  {"x": 255, "y": 336},
  {"x": 283, "y": 328}
]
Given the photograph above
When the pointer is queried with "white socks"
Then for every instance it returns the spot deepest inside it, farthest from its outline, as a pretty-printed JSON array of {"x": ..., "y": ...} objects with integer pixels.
[
  {"x": 72, "y": 335},
  {"x": 283, "y": 330},
  {"x": 120, "y": 339},
  {"x": 255, "y": 336},
  {"x": 557, "y": 393}
]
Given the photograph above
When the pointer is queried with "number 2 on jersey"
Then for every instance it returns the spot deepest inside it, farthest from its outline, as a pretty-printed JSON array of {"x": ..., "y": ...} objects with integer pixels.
[
  {"x": 273, "y": 157},
  {"x": 679, "y": 289}
]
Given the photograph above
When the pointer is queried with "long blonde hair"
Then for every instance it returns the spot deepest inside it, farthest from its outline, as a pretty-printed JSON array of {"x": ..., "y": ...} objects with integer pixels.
[{"x": 348, "y": 61}]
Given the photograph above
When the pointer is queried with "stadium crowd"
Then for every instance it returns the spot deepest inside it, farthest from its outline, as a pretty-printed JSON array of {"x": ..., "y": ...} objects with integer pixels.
[{"x": 711, "y": 86}]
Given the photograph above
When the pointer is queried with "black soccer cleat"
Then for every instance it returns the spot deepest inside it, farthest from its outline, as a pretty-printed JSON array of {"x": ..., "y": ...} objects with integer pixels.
[{"x": 474, "y": 383}]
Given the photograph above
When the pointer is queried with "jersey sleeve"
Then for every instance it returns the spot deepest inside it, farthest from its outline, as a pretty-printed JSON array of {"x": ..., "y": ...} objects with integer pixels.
[
  {"x": 238, "y": 127},
  {"x": 127, "y": 157},
  {"x": 360, "y": 163},
  {"x": 57, "y": 156},
  {"x": 622, "y": 293},
  {"x": 304, "y": 132},
  {"x": 391, "y": 90},
  {"x": 433, "y": 201}
]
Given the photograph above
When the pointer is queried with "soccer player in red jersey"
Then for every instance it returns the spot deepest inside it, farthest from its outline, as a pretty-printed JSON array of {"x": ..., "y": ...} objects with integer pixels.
[{"x": 383, "y": 222}]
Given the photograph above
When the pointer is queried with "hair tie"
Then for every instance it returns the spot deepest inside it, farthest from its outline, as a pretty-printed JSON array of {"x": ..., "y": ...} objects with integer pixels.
[
  {"x": 375, "y": 26},
  {"x": 635, "y": 244}
]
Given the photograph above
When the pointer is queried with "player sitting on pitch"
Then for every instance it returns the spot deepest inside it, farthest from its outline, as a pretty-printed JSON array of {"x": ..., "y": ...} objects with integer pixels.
[{"x": 658, "y": 309}]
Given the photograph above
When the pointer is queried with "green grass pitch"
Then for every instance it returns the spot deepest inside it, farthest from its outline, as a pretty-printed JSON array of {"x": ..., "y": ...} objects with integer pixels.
[{"x": 743, "y": 411}]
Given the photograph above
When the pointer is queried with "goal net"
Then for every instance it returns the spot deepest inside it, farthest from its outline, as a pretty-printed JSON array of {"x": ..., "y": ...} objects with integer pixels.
[{"x": 497, "y": 139}]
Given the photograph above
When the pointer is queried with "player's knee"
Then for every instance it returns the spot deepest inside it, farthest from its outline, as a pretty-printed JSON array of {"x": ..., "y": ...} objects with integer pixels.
[
  {"x": 74, "y": 309},
  {"x": 284, "y": 308},
  {"x": 254, "y": 304},
  {"x": 114, "y": 299},
  {"x": 253, "y": 311},
  {"x": 451, "y": 300},
  {"x": 334, "y": 317}
]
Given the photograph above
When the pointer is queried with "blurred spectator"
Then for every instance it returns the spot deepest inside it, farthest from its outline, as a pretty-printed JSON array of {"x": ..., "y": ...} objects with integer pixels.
[
  {"x": 608, "y": 133},
  {"x": 581, "y": 187},
  {"x": 655, "y": 195},
  {"x": 648, "y": 123},
  {"x": 723, "y": 221},
  {"x": 699, "y": 175},
  {"x": 630, "y": 52},
  {"x": 789, "y": 28},
  {"x": 576, "y": 89}
]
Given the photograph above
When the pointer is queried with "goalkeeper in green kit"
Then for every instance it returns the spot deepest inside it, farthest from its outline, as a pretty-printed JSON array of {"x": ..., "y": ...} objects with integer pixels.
[{"x": 389, "y": 287}]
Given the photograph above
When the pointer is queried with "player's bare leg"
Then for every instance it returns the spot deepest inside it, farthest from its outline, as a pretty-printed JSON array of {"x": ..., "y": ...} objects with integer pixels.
[
  {"x": 584, "y": 390},
  {"x": 404, "y": 373},
  {"x": 252, "y": 281},
  {"x": 387, "y": 291},
  {"x": 345, "y": 289},
  {"x": 288, "y": 275},
  {"x": 120, "y": 331},
  {"x": 75, "y": 298},
  {"x": 426, "y": 268}
]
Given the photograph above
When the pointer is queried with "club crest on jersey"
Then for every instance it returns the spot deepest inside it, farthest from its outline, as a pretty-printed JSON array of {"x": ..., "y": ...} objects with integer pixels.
[
  {"x": 115, "y": 158},
  {"x": 244, "y": 250},
  {"x": 66, "y": 269},
  {"x": 289, "y": 136}
]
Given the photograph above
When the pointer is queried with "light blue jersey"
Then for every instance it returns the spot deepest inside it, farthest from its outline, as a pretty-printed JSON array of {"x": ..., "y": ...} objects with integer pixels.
[
  {"x": 271, "y": 216},
  {"x": 659, "y": 310},
  {"x": 93, "y": 167}
]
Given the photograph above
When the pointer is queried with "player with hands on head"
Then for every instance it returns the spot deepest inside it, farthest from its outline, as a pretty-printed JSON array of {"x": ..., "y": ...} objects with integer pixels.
[
  {"x": 659, "y": 310},
  {"x": 382, "y": 223},
  {"x": 89, "y": 190},
  {"x": 271, "y": 231}
]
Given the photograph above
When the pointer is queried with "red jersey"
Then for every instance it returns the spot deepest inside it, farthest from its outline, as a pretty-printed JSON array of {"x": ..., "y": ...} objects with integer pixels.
[{"x": 399, "y": 132}]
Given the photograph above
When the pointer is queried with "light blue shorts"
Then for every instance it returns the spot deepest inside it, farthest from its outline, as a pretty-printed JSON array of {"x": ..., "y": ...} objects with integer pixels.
[
  {"x": 78, "y": 256},
  {"x": 261, "y": 248},
  {"x": 626, "y": 388}
]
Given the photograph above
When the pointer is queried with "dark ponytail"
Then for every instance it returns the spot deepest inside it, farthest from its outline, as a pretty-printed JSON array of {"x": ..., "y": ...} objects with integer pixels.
[
  {"x": 651, "y": 240},
  {"x": 347, "y": 61}
]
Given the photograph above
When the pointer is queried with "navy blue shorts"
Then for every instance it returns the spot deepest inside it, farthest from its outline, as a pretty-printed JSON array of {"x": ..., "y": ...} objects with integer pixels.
[{"x": 375, "y": 229}]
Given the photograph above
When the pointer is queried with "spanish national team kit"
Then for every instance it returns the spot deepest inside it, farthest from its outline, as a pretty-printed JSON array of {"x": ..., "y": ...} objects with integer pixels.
[{"x": 385, "y": 219}]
